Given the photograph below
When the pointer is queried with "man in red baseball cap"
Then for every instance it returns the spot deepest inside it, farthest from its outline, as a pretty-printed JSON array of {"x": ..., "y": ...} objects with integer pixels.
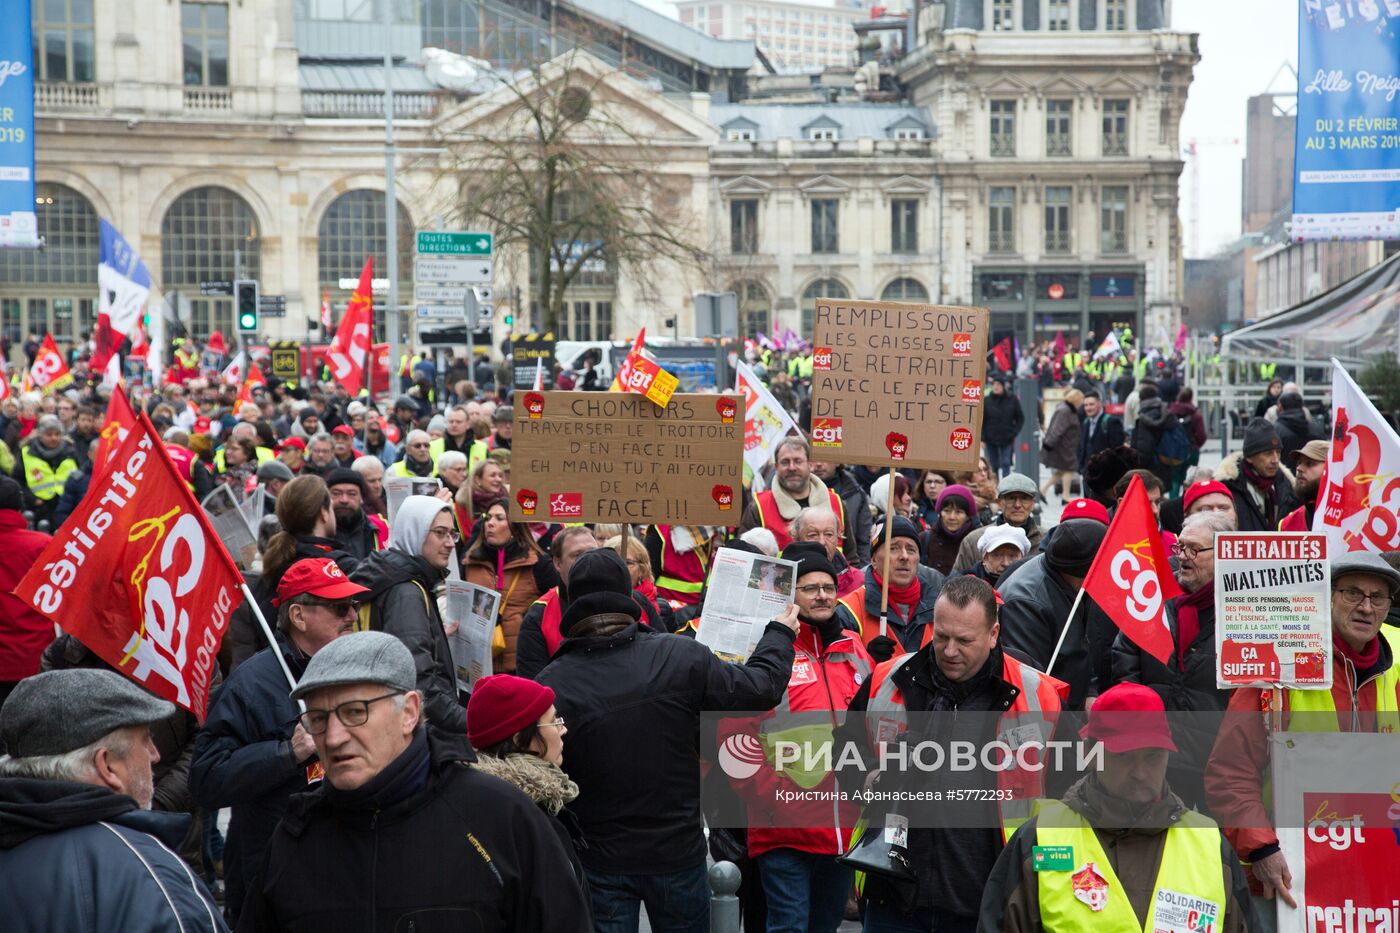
[
  {"x": 1057, "y": 873},
  {"x": 292, "y": 452},
  {"x": 251, "y": 754}
]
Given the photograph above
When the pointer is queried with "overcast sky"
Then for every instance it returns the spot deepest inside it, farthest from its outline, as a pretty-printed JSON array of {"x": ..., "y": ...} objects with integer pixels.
[{"x": 1243, "y": 44}]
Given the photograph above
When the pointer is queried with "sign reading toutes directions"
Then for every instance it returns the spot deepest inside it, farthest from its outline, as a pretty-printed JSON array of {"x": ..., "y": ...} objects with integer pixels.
[
  {"x": 447, "y": 261},
  {"x": 897, "y": 384},
  {"x": 454, "y": 243},
  {"x": 615, "y": 457}
]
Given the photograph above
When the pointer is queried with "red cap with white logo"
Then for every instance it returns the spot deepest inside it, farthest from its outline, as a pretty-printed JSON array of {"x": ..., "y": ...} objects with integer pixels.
[{"x": 319, "y": 576}]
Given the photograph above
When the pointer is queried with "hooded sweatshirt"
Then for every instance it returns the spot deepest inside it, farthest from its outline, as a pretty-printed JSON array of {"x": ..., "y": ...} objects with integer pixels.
[{"x": 401, "y": 584}]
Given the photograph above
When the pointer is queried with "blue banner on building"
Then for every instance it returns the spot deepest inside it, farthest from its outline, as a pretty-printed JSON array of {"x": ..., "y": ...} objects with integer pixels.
[
  {"x": 18, "y": 226},
  {"x": 1346, "y": 182}
]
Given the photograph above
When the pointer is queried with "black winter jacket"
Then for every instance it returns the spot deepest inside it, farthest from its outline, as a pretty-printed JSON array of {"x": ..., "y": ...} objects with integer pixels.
[
  {"x": 77, "y": 858},
  {"x": 1036, "y": 603},
  {"x": 857, "y": 504},
  {"x": 401, "y": 591},
  {"x": 635, "y": 698},
  {"x": 1183, "y": 689},
  {"x": 1107, "y": 432},
  {"x": 1251, "y": 517},
  {"x": 243, "y": 759},
  {"x": 1002, "y": 418},
  {"x": 444, "y": 848},
  {"x": 357, "y": 539},
  {"x": 1295, "y": 428}
]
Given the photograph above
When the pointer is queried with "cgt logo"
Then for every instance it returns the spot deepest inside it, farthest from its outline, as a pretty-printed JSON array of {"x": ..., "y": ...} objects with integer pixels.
[
  {"x": 727, "y": 410},
  {"x": 961, "y": 439},
  {"x": 972, "y": 391},
  {"x": 897, "y": 444},
  {"x": 534, "y": 404},
  {"x": 528, "y": 500},
  {"x": 567, "y": 505},
  {"x": 723, "y": 496},
  {"x": 821, "y": 358},
  {"x": 826, "y": 432},
  {"x": 1134, "y": 573},
  {"x": 962, "y": 346}
]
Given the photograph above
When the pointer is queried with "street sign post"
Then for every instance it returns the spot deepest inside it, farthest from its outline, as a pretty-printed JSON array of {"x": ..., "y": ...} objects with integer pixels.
[
  {"x": 216, "y": 288},
  {"x": 452, "y": 270},
  {"x": 454, "y": 243}
]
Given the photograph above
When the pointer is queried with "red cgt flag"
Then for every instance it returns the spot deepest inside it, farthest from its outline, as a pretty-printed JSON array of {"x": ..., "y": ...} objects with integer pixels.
[
  {"x": 49, "y": 373},
  {"x": 1131, "y": 579},
  {"x": 348, "y": 356},
  {"x": 120, "y": 421},
  {"x": 137, "y": 575}
]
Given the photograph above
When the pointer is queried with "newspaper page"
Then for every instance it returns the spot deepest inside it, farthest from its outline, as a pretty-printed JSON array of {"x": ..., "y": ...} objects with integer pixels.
[
  {"x": 745, "y": 592},
  {"x": 399, "y": 488},
  {"x": 473, "y": 608},
  {"x": 231, "y": 525}
]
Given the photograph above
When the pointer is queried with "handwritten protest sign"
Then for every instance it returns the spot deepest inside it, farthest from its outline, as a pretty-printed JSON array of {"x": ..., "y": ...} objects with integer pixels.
[
  {"x": 1272, "y": 610},
  {"x": 617, "y": 457},
  {"x": 897, "y": 384}
]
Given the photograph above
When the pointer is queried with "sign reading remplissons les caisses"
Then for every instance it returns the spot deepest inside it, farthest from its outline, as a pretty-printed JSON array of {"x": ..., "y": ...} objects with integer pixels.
[
  {"x": 898, "y": 384},
  {"x": 617, "y": 457}
]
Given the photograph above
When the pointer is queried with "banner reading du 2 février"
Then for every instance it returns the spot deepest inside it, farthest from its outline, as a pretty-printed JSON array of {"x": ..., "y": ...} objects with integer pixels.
[
  {"x": 1346, "y": 181},
  {"x": 18, "y": 227}
]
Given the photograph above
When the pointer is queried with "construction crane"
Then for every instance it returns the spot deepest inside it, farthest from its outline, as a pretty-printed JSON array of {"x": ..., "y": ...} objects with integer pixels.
[{"x": 1191, "y": 151}]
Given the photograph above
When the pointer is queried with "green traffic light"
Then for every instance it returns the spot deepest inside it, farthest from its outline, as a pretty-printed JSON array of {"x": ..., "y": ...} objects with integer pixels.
[
  {"x": 247, "y": 320},
  {"x": 510, "y": 319}
]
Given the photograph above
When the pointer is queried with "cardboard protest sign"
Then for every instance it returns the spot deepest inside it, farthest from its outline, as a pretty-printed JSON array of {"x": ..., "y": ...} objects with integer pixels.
[
  {"x": 897, "y": 384},
  {"x": 617, "y": 457},
  {"x": 1273, "y": 622},
  {"x": 1337, "y": 814}
]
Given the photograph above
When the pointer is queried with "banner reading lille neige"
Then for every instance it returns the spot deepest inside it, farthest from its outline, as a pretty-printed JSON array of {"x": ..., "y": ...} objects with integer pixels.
[
  {"x": 18, "y": 225},
  {"x": 1346, "y": 182}
]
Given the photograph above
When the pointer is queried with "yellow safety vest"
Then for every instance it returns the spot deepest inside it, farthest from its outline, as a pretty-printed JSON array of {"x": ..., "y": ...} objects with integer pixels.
[
  {"x": 398, "y": 469},
  {"x": 476, "y": 453},
  {"x": 263, "y": 453},
  {"x": 1189, "y": 894},
  {"x": 45, "y": 482},
  {"x": 1315, "y": 702}
]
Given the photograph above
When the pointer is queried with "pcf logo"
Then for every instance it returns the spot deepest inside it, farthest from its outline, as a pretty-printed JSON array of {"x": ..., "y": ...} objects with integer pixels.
[{"x": 566, "y": 505}]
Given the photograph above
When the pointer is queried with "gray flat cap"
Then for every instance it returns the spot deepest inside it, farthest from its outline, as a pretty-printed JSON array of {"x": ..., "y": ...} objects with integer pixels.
[
  {"x": 1366, "y": 562},
  {"x": 275, "y": 469},
  {"x": 1017, "y": 482},
  {"x": 360, "y": 658},
  {"x": 61, "y": 711}
]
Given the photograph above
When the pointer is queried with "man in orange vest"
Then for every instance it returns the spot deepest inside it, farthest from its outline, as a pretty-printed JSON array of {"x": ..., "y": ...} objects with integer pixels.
[
  {"x": 681, "y": 556},
  {"x": 914, "y": 590},
  {"x": 1309, "y": 465},
  {"x": 794, "y": 489},
  {"x": 961, "y": 669},
  {"x": 539, "y": 628}
]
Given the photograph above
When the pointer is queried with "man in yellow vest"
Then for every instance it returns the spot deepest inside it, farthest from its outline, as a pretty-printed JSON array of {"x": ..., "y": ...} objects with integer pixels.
[
  {"x": 959, "y": 686},
  {"x": 1119, "y": 852},
  {"x": 1365, "y": 697},
  {"x": 48, "y": 459}
]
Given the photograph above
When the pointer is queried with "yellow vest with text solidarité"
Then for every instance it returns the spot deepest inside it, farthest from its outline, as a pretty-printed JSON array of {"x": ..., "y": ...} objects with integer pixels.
[{"x": 1188, "y": 896}]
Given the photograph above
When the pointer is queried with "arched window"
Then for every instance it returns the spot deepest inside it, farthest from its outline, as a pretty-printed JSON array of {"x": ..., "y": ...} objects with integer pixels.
[
  {"x": 755, "y": 308},
  {"x": 351, "y": 229},
  {"x": 208, "y": 234},
  {"x": 821, "y": 288},
  {"x": 905, "y": 289},
  {"x": 53, "y": 289}
]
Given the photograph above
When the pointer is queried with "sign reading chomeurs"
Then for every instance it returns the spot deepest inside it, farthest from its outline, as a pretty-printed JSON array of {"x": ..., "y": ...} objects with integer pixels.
[
  {"x": 617, "y": 457},
  {"x": 898, "y": 384},
  {"x": 1273, "y": 622}
]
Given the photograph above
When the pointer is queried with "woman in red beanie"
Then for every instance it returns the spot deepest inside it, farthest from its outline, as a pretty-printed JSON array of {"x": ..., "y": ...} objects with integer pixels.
[{"x": 519, "y": 737}]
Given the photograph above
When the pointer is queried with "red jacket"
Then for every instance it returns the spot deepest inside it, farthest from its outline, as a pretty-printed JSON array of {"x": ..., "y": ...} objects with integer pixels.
[
  {"x": 822, "y": 681},
  {"x": 1239, "y": 764},
  {"x": 24, "y": 633}
]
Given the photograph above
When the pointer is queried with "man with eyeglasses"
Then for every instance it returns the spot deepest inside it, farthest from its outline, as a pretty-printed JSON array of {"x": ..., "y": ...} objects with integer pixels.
[
  {"x": 1186, "y": 683},
  {"x": 251, "y": 754},
  {"x": 796, "y": 849},
  {"x": 417, "y": 457},
  {"x": 401, "y": 834},
  {"x": 1365, "y": 697}
]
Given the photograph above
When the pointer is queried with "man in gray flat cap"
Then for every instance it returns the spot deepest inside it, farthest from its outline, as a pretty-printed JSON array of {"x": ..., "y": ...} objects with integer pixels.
[
  {"x": 80, "y": 848},
  {"x": 367, "y": 849}
]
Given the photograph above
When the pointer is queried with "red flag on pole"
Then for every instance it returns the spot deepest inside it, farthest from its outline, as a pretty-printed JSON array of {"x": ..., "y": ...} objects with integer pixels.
[
  {"x": 252, "y": 380},
  {"x": 1002, "y": 352},
  {"x": 1130, "y": 579},
  {"x": 120, "y": 421},
  {"x": 137, "y": 575},
  {"x": 326, "y": 311},
  {"x": 349, "y": 352},
  {"x": 49, "y": 373}
]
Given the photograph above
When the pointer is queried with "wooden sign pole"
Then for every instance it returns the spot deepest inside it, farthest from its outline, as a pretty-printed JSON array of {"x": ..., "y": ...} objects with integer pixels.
[{"x": 885, "y": 574}]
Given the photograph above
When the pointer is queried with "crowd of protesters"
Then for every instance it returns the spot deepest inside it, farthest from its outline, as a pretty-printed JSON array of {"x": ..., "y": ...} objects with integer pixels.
[{"x": 565, "y": 791}]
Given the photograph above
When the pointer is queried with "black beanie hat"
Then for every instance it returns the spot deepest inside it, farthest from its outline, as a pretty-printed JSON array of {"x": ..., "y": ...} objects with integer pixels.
[
  {"x": 10, "y": 495},
  {"x": 598, "y": 582},
  {"x": 1260, "y": 436},
  {"x": 342, "y": 475},
  {"x": 901, "y": 527},
  {"x": 811, "y": 558},
  {"x": 1074, "y": 545}
]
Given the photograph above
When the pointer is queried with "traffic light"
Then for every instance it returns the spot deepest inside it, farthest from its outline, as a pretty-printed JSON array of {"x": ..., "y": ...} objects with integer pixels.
[
  {"x": 510, "y": 319},
  {"x": 245, "y": 304}
]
